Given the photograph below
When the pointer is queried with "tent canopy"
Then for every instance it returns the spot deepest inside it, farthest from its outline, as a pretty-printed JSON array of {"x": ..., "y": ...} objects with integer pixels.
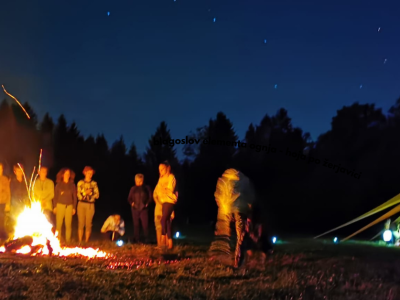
[{"x": 395, "y": 200}]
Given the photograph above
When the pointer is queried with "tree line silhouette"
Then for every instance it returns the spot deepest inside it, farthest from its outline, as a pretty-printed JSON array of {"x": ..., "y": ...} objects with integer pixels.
[{"x": 294, "y": 196}]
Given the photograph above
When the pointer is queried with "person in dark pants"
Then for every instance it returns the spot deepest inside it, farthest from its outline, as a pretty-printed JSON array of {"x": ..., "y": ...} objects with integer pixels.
[
  {"x": 166, "y": 194},
  {"x": 139, "y": 199},
  {"x": 4, "y": 201}
]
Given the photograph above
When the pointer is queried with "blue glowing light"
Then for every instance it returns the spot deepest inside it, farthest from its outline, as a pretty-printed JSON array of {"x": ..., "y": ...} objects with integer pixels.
[
  {"x": 215, "y": 19},
  {"x": 108, "y": 13},
  {"x": 265, "y": 41},
  {"x": 274, "y": 240},
  {"x": 120, "y": 243},
  {"x": 177, "y": 234},
  {"x": 335, "y": 240},
  {"x": 276, "y": 86}
]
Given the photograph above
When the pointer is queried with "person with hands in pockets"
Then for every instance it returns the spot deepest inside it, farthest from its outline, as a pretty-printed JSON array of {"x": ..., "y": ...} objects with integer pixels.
[{"x": 88, "y": 193}]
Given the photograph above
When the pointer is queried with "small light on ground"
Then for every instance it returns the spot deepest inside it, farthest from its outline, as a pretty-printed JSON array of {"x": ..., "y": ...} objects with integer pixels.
[
  {"x": 274, "y": 240},
  {"x": 177, "y": 234},
  {"x": 387, "y": 235},
  {"x": 335, "y": 240},
  {"x": 120, "y": 243}
]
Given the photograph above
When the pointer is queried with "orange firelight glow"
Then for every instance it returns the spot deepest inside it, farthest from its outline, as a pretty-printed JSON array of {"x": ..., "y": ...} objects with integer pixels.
[{"x": 32, "y": 222}]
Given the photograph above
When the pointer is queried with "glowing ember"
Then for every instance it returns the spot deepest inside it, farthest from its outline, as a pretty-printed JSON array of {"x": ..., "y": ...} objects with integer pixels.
[{"x": 136, "y": 264}]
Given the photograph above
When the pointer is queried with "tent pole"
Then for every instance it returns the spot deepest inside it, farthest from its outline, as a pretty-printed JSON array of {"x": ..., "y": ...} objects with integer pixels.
[
  {"x": 395, "y": 200},
  {"x": 376, "y": 236},
  {"x": 380, "y": 219}
]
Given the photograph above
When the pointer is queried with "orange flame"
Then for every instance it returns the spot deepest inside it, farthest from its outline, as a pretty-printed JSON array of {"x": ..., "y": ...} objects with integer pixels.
[{"x": 16, "y": 100}]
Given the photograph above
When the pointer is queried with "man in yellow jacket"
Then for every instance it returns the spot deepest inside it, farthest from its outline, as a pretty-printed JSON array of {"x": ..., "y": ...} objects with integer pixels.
[
  {"x": 43, "y": 191},
  {"x": 5, "y": 198}
]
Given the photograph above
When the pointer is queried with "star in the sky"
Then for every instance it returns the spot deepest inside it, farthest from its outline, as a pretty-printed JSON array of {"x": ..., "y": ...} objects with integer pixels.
[
  {"x": 108, "y": 13},
  {"x": 385, "y": 61},
  {"x": 379, "y": 29},
  {"x": 265, "y": 41},
  {"x": 215, "y": 19},
  {"x": 275, "y": 86},
  {"x": 360, "y": 86}
]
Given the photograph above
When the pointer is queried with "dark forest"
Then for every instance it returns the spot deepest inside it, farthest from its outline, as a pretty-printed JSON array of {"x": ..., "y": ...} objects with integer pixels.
[{"x": 294, "y": 196}]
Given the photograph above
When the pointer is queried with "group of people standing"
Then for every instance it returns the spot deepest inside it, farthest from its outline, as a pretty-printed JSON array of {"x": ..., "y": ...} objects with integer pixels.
[
  {"x": 62, "y": 200},
  {"x": 234, "y": 195},
  {"x": 66, "y": 199},
  {"x": 165, "y": 197}
]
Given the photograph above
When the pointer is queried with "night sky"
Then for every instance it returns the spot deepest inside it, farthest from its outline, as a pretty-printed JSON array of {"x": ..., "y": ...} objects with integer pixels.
[{"x": 125, "y": 71}]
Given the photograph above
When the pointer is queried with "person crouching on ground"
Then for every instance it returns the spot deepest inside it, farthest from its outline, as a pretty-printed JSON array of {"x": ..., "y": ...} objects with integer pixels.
[
  {"x": 255, "y": 240},
  {"x": 167, "y": 197},
  {"x": 43, "y": 191},
  {"x": 113, "y": 227},
  {"x": 65, "y": 201},
  {"x": 88, "y": 193},
  {"x": 140, "y": 196}
]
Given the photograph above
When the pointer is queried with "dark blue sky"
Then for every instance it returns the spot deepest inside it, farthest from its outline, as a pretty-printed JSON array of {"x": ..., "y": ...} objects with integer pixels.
[{"x": 156, "y": 60}]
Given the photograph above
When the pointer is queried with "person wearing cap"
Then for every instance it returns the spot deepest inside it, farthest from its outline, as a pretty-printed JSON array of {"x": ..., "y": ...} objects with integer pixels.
[
  {"x": 234, "y": 196},
  {"x": 88, "y": 193},
  {"x": 139, "y": 198}
]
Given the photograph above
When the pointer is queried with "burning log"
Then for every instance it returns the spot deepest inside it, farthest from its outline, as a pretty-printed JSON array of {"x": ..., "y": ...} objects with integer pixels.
[
  {"x": 48, "y": 244},
  {"x": 18, "y": 243},
  {"x": 35, "y": 249}
]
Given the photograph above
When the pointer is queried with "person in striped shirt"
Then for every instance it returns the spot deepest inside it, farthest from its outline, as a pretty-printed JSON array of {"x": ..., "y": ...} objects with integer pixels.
[{"x": 88, "y": 193}]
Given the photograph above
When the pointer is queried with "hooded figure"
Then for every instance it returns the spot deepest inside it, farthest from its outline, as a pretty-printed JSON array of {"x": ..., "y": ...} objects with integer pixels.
[{"x": 234, "y": 196}]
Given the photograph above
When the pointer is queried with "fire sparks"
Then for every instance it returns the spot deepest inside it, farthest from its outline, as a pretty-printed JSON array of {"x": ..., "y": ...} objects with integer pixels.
[{"x": 16, "y": 100}]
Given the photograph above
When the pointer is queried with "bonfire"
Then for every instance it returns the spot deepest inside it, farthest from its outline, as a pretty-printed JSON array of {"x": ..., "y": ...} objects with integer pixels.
[
  {"x": 33, "y": 234},
  {"x": 34, "y": 224}
]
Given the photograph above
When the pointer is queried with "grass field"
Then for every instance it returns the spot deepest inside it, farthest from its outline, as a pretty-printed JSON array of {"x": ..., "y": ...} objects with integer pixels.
[{"x": 299, "y": 269}]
